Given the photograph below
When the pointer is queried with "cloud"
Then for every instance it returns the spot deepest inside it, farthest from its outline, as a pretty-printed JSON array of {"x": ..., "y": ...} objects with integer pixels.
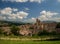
[
  {"x": 15, "y": 9},
  {"x": 39, "y": 1},
  {"x": 33, "y": 18},
  {"x": 30, "y": 20},
  {"x": 27, "y": 9},
  {"x": 12, "y": 14},
  {"x": 2, "y": 17},
  {"x": 7, "y": 10},
  {"x": 48, "y": 15},
  {"x": 22, "y": 14},
  {"x": 16, "y": 0}
]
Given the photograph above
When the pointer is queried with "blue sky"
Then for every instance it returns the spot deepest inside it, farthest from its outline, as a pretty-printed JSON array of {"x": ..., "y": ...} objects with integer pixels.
[{"x": 29, "y": 10}]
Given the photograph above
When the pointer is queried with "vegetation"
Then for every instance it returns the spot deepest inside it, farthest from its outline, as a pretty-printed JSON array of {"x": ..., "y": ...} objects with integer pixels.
[
  {"x": 58, "y": 25},
  {"x": 43, "y": 33},
  {"x": 14, "y": 30},
  {"x": 0, "y": 31},
  {"x": 28, "y": 42}
]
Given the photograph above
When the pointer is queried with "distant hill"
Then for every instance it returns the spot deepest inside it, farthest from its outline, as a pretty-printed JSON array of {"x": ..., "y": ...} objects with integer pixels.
[
  {"x": 49, "y": 21},
  {"x": 9, "y": 23},
  {"x": 58, "y": 23}
]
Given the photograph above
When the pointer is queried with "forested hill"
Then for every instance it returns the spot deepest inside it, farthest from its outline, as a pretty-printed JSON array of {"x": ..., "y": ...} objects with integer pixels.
[{"x": 9, "y": 23}]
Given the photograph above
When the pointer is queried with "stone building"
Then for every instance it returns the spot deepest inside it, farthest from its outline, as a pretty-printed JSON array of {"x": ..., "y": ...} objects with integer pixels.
[
  {"x": 49, "y": 26},
  {"x": 24, "y": 30},
  {"x": 40, "y": 26},
  {"x": 6, "y": 30},
  {"x": 36, "y": 28},
  {"x": 58, "y": 30},
  {"x": 30, "y": 29}
]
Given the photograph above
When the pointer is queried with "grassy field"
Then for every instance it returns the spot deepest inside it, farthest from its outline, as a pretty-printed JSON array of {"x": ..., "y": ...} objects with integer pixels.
[
  {"x": 4, "y": 41},
  {"x": 28, "y": 42}
]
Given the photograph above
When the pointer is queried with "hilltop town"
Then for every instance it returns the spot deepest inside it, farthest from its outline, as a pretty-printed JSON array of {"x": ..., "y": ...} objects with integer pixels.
[{"x": 30, "y": 29}]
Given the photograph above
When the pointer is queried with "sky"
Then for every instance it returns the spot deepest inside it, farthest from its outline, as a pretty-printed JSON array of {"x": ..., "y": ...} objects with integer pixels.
[{"x": 29, "y": 10}]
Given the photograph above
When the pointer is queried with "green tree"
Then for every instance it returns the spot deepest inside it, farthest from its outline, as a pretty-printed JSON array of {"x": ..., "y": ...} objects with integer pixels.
[
  {"x": 14, "y": 30},
  {"x": 31, "y": 28},
  {"x": 43, "y": 33},
  {"x": 58, "y": 25},
  {"x": 0, "y": 31}
]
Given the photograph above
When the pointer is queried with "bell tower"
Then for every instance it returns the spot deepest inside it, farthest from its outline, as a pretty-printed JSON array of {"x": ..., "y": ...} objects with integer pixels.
[{"x": 38, "y": 21}]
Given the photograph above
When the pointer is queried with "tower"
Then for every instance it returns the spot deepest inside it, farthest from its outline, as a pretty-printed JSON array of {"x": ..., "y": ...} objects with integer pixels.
[{"x": 38, "y": 22}]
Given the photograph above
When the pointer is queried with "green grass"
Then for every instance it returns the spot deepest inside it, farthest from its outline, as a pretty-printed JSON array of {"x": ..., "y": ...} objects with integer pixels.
[{"x": 28, "y": 42}]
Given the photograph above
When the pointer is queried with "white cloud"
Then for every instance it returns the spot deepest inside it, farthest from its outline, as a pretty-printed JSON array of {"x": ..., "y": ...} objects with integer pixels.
[
  {"x": 27, "y": 9},
  {"x": 7, "y": 10},
  {"x": 10, "y": 15},
  {"x": 20, "y": 17},
  {"x": 1, "y": 17},
  {"x": 33, "y": 18},
  {"x": 22, "y": 14},
  {"x": 21, "y": 0},
  {"x": 15, "y": 9},
  {"x": 39, "y": 1},
  {"x": 47, "y": 15},
  {"x": 30, "y": 20},
  {"x": 16, "y": 0}
]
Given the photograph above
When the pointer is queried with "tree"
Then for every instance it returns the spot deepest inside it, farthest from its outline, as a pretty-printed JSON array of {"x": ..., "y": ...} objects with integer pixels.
[
  {"x": 58, "y": 25},
  {"x": 53, "y": 33},
  {"x": 43, "y": 33},
  {"x": 14, "y": 30},
  {"x": 31, "y": 28},
  {"x": 0, "y": 31}
]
